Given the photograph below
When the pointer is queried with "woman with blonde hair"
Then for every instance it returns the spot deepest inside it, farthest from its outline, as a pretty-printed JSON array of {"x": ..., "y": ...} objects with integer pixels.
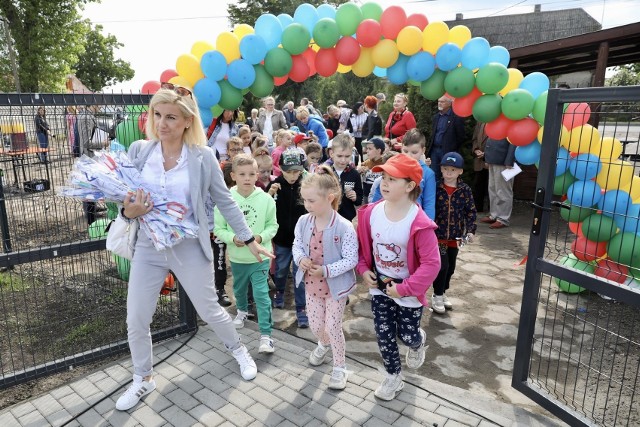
[
  {"x": 270, "y": 120},
  {"x": 400, "y": 121}
]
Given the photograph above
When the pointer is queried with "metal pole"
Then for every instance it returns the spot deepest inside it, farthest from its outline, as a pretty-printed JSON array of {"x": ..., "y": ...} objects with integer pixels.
[{"x": 4, "y": 220}]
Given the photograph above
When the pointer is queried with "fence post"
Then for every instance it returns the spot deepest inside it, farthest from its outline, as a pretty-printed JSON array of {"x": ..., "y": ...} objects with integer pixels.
[{"x": 4, "y": 220}]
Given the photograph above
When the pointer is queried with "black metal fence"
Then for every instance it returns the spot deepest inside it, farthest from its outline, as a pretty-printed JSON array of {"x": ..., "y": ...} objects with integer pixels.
[
  {"x": 62, "y": 295},
  {"x": 578, "y": 349}
]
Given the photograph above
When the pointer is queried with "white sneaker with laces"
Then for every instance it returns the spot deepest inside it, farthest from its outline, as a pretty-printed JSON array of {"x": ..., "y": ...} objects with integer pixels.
[
  {"x": 238, "y": 322},
  {"x": 415, "y": 357},
  {"x": 136, "y": 391},
  {"x": 266, "y": 344},
  {"x": 390, "y": 387},
  {"x": 338, "y": 379},
  {"x": 446, "y": 302},
  {"x": 248, "y": 368},
  {"x": 318, "y": 355},
  {"x": 437, "y": 304}
]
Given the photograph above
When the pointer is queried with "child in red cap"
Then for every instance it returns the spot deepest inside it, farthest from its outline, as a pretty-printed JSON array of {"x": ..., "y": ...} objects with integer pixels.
[{"x": 398, "y": 260}]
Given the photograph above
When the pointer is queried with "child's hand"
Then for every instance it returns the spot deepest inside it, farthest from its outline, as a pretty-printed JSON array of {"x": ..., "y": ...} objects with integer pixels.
[
  {"x": 470, "y": 237},
  {"x": 392, "y": 291},
  {"x": 351, "y": 195},
  {"x": 237, "y": 242},
  {"x": 362, "y": 169},
  {"x": 428, "y": 161},
  {"x": 305, "y": 264},
  {"x": 316, "y": 271},
  {"x": 275, "y": 187},
  {"x": 370, "y": 279}
]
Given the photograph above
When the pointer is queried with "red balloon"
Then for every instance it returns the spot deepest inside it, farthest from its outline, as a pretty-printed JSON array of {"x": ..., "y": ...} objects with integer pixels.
[
  {"x": 588, "y": 250},
  {"x": 499, "y": 128},
  {"x": 523, "y": 131},
  {"x": 418, "y": 20},
  {"x": 575, "y": 227},
  {"x": 393, "y": 20},
  {"x": 150, "y": 87},
  {"x": 576, "y": 114},
  {"x": 610, "y": 270},
  {"x": 279, "y": 81},
  {"x": 310, "y": 56},
  {"x": 299, "y": 70},
  {"x": 167, "y": 75},
  {"x": 142, "y": 121},
  {"x": 326, "y": 62},
  {"x": 368, "y": 33},
  {"x": 463, "y": 106},
  {"x": 347, "y": 50}
]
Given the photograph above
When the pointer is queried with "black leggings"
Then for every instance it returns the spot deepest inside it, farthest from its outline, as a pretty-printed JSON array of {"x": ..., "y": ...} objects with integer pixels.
[{"x": 447, "y": 268}]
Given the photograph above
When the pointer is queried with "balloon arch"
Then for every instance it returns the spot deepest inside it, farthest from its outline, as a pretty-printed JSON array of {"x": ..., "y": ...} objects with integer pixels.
[{"x": 409, "y": 49}]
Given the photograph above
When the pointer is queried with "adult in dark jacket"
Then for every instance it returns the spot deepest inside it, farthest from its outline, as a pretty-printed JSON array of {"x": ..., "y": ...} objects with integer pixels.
[
  {"x": 447, "y": 134},
  {"x": 289, "y": 112},
  {"x": 373, "y": 125},
  {"x": 333, "y": 122},
  {"x": 42, "y": 132},
  {"x": 499, "y": 155}
]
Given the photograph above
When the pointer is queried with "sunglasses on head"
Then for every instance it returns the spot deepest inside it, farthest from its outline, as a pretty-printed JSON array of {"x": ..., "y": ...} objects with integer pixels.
[{"x": 180, "y": 90}]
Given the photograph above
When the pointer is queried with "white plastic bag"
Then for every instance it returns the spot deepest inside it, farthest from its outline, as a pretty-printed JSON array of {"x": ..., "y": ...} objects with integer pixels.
[{"x": 122, "y": 236}]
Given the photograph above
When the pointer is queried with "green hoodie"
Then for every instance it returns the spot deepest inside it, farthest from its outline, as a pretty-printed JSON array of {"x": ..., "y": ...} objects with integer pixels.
[{"x": 259, "y": 210}]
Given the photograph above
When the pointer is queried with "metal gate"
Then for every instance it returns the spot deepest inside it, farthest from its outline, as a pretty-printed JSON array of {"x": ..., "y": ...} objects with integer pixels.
[
  {"x": 62, "y": 295},
  {"x": 578, "y": 349}
]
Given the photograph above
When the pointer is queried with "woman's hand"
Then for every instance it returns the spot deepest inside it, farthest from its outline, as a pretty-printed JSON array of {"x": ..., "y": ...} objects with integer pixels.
[
  {"x": 370, "y": 279},
  {"x": 137, "y": 204},
  {"x": 257, "y": 250}
]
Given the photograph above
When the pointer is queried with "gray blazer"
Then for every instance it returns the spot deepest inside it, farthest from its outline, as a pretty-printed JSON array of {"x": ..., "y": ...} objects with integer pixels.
[{"x": 205, "y": 178}]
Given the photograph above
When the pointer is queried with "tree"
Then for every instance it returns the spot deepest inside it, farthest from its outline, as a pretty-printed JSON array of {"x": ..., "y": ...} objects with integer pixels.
[
  {"x": 97, "y": 66},
  {"x": 626, "y": 75}
]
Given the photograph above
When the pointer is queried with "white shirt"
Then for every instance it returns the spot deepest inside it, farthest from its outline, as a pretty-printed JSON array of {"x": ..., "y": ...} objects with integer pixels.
[
  {"x": 267, "y": 130},
  {"x": 390, "y": 248},
  {"x": 220, "y": 144}
]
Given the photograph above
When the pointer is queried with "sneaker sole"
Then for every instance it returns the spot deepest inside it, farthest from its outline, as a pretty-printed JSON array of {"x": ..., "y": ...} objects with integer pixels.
[
  {"x": 398, "y": 390},
  {"x": 266, "y": 351},
  {"x": 139, "y": 400},
  {"x": 438, "y": 311},
  {"x": 238, "y": 326},
  {"x": 337, "y": 386}
]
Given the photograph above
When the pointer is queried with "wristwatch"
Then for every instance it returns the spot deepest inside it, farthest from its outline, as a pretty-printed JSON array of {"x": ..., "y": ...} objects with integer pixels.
[{"x": 246, "y": 242}]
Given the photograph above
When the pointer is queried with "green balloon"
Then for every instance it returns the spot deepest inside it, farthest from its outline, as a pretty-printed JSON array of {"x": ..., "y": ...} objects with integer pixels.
[
  {"x": 573, "y": 262},
  {"x": 278, "y": 62},
  {"x": 371, "y": 11},
  {"x": 575, "y": 213},
  {"x": 263, "y": 84},
  {"x": 136, "y": 108},
  {"x": 599, "y": 228},
  {"x": 127, "y": 131},
  {"x": 540, "y": 107},
  {"x": 326, "y": 33},
  {"x": 98, "y": 227},
  {"x": 487, "y": 108},
  {"x": 433, "y": 87},
  {"x": 348, "y": 17},
  {"x": 414, "y": 83},
  {"x": 517, "y": 104},
  {"x": 112, "y": 210},
  {"x": 562, "y": 183},
  {"x": 295, "y": 38},
  {"x": 459, "y": 82},
  {"x": 624, "y": 248},
  {"x": 216, "y": 110},
  {"x": 124, "y": 267},
  {"x": 231, "y": 97},
  {"x": 492, "y": 78}
]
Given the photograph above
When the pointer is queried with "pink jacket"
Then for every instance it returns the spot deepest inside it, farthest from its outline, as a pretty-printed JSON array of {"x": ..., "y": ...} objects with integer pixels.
[{"x": 424, "y": 255}]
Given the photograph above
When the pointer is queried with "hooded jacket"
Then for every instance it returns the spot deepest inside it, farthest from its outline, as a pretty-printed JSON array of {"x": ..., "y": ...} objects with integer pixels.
[{"x": 289, "y": 208}]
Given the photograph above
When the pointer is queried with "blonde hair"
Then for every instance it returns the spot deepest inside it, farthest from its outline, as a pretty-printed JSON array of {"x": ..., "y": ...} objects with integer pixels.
[
  {"x": 194, "y": 134},
  {"x": 404, "y": 97},
  {"x": 313, "y": 147},
  {"x": 243, "y": 159},
  {"x": 281, "y": 134},
  {"x": 342, "y": 141},
  {"x": 326, "y": 182},
  {"x": 414, "y": 137},
  {"x": 302, "y": 112},
  {"x": 260, "y": 152},
  {"x": 235, "y": 141},
  {"x": 244, "y": 129},
  {"x": 264, "y": 160}
]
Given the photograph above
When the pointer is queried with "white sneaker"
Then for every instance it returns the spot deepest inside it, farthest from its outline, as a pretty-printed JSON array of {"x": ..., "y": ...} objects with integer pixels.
[
  {"x": 447, "y": 304},
  {"x": 238, "y": 322},
  {"x": 338, "y": 379},
  {"x": 136, "y": 391},
  {"x": 248, "y": 368},
  {"x": 390, "y": 387},
  {"x": 437, "y": 304},
  {"x": 266, "y": 344},
  {"x": 415, "y": 357},
  {"x": 318, "y": 355}
]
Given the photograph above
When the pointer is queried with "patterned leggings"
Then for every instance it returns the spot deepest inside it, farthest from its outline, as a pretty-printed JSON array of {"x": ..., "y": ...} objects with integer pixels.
[
  {"x": 325, "y": 320},
  {"x": 391, "y": 320}
]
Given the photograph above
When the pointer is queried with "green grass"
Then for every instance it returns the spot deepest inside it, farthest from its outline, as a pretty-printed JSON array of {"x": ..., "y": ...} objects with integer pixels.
[
  {"x": 9, "y": 282},
  {"x": 84, "y": 331}
]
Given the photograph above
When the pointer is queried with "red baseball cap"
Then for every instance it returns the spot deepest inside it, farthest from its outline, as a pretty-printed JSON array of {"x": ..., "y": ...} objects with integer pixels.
[
  {"x": 330, "y": 133},
  {"x": 301, "y": 137},
  {"x": 402, "y": 166}
]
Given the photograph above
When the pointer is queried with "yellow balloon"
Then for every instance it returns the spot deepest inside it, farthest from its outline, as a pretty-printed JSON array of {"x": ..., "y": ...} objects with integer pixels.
[
  {"x": 611, "y": 148},
  {"x": 515, "y": 77},
  {"x": 564, "y": 136},
  {"x": 434, "y": 35},
  {"x": 460, "y": 34},
  {"x": 584, "y": 139},
  {"x": 315, "y": 47},
  {"x": 181, "y": 81},
  {"x": 201, "y": 47},
  {"x": 188, "y": 66},
  {"x": 409, "y": 40},
  {"x": 615, "y": 174},
  {"x": 242, "y": 30},
  {"x": 228, "y": 45},
  {"x": 385, "y": 53},
  {"x": 343, "y": 69},
  {"x": 633, "y": 188},
  {"x": 364, "y": 65}
]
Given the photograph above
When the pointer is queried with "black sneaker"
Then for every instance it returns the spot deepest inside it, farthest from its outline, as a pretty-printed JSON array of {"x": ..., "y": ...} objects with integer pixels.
[{"x": 223, "y": 299}]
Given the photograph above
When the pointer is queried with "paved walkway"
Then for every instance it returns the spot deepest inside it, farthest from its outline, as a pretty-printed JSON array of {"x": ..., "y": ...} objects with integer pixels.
[{"x": 200, "y": 385}]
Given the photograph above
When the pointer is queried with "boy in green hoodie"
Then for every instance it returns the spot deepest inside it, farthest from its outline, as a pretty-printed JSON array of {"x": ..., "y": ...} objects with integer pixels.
[{"x": 259, "y": 210}]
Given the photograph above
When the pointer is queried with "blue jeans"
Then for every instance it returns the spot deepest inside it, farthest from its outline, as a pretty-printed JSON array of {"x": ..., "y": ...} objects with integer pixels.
[
  {"x": 43, "y": 140},
  {"x": 284, "y": 258},
  {"x": 436, "y": 158}
]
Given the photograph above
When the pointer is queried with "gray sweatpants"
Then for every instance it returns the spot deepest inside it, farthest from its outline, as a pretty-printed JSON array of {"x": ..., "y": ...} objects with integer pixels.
[
  {"x": 500, "y": 194},
  {"x": 195, "y": 273}
]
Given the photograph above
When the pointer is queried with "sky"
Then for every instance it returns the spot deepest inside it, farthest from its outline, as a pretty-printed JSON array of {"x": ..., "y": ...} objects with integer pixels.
[{"x": 156, "y": 32}]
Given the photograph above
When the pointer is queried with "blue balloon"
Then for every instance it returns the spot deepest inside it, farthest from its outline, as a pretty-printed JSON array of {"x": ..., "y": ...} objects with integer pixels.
[
  {"x": 528, "y": 154},
  {"x": 585, "y": 166},
  {"x": 584, "y": 193},
  {"x": 241, "y": 74},
  {"x": 285, "y": 19},
  {"x": 421, "y": 66},
  {"x": 326, "y": 11},
  {"x": 379, "y": 72},
  {"x": 397, "y": 73},
  {"x": 206, "y": 115},
  {"x": 500, "y": 55},
  {"x": 269, "y": 28},
  {"x": 253, "y": 48},
  {"x": 475, "y": 53},
  {"x": 562, "y": 163},
  {"x": 214, "y": 65},
  {"x": 536, "y": 83},
  {"x": 615, "y": 202},
  {"x": 207, "y": 92},
  {"x": 115, "y": 146},
  {"x": 306, "y": 15},
  {"x": 448, "y": 56},
  {"x": 630, "y": 221}
]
